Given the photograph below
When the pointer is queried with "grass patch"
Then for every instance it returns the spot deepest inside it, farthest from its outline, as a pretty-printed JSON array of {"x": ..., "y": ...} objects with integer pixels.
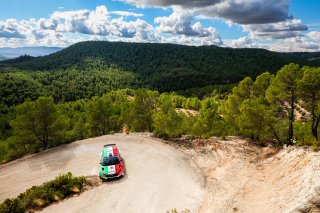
[{"x": 41, "y": 196}]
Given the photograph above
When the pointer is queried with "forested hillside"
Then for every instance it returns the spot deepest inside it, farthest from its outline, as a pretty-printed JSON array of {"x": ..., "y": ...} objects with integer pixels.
[
  {"x": 166, "y": 67},
  {"x": 94, "y": 88},
  {"x": 283, "y": 108}
]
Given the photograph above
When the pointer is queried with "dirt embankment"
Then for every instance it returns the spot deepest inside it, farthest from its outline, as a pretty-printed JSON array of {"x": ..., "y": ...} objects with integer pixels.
[{"x": 241, "y": 177}]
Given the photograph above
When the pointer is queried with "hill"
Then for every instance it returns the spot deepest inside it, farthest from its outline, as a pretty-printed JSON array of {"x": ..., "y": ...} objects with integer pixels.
[
  {"x": 8, "y": 52},
  {"x": 2, "y": 58},
  {"x": 94, "y": 68},
  {"x": 168, "y": 67}
]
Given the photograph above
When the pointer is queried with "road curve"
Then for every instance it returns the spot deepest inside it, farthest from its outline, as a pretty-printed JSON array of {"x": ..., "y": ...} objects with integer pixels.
[{"x": 159, "y": 178}]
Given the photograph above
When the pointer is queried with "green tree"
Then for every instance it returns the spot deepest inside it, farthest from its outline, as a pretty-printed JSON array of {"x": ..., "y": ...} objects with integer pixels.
[
  {"x": 144, "y": 103},
  {"x": 166, "y": 121},
  {"x": 261, "y": 84},
  {"x": 39, "y": 120},
  {"x": 252, "y": 120},
  {"x": 231, "y": 107},
  {"x": 284, "y": 91},
  {"x": 80, "y": 127},
  {"x": 309, "y": 87},
  {"x": 99, "y": 113},
  {"x": 208, "y": 121}
]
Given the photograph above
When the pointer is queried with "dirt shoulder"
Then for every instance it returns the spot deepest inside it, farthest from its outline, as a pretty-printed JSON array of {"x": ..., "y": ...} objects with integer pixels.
[{"x": 242, "y": 177}]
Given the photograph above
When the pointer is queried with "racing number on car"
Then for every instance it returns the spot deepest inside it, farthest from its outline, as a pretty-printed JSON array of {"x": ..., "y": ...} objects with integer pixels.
[{"x": 111, "y": 170}]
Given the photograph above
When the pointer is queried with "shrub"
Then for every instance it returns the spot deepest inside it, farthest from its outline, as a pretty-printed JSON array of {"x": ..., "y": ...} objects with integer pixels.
[
  {"x": 41, "y": 196},
  {"x": 12, "y": 205}
]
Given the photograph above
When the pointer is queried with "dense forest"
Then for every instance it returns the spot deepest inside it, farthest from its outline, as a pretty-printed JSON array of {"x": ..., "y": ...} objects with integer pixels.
[
  {"x": 283, "y": 108},
  {"x": 165, "y": 67}
]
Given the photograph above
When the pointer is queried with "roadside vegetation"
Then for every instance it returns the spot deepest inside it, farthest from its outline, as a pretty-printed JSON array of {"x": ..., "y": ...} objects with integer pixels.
[
  {"x": 283, "y": 108},
  {"x": 38, "y": 197}
]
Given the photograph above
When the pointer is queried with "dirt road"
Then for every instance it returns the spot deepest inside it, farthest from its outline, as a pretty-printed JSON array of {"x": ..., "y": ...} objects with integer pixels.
[
  {"x": 228, "y": 176},
  {"x": 159, "y": 178}
]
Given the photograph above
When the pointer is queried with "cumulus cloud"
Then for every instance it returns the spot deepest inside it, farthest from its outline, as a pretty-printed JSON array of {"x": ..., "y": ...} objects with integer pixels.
[
  {"x": 97, "y": 22},
  {"x": 314, "y": 35},
  {"x": 176, "y": 23},
  {"x": 297, "y": 44},
  {"x": 262, "y": 20},
  {"x": 243, "y": 42},
  {"x": 48, "y": 24},
  {"x": 126, "y": 13},
  {"x": 202, "y": 17},
  {"x": 167, "y": 3},
  {"x": 193, "y": 41},
  {"x": 180, "y": 23},
  {"x": 288, "y": 25},
  {"x": 11, "y": 28},
  {"x": 249, "y": 11},
  {"x": 83, "y": 21},
  {"x": 237, "y": 11},
  {"x": 286, "y": 29}
]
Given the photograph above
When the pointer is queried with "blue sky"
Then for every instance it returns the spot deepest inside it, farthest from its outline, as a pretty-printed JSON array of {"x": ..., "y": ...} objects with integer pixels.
[{"x": 279, "y": 25}]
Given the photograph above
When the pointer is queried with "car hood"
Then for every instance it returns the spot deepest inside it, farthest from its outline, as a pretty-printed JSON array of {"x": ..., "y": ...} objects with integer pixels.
[{"x": 110, "y": 170}]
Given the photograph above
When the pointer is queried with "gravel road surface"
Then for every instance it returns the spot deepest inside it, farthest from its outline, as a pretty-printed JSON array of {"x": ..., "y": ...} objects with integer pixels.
[{"x": 158, "y": 178}]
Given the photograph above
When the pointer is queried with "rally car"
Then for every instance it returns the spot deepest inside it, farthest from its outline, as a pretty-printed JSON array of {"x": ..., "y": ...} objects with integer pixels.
[{"x": 112, "y": 163}]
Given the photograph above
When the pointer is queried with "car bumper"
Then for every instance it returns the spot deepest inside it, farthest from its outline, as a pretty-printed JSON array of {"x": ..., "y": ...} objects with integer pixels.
[{"x": 107, "y": 177}]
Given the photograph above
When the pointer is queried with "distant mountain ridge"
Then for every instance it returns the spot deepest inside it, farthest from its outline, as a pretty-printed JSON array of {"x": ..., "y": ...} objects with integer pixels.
[
  {"x": 7, "y": 52},
  {"x": 167, "y": 67},
  {"x": 2, "y": 58}
]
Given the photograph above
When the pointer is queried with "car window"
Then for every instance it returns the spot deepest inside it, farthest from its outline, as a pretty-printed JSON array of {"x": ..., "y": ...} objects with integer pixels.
[{"x": 108, "y": 161}]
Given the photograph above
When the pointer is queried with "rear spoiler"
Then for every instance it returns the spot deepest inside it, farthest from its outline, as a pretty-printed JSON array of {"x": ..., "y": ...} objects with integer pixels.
[{"x": 111, "y": 144}]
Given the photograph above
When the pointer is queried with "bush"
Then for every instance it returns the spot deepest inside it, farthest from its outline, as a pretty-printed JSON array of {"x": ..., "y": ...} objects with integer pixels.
[
  {"x": 12, "y": 205},
  {"x": 41, "y": 196}
]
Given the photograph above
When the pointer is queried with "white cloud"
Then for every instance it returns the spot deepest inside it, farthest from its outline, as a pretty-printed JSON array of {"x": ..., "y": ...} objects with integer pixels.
[
  {"x": 181, "y": 27},
  {"x": 298, "y": 44},
  {"x": 70, "y": 14},
  {"x": 263, "y": 20},
  {"x": 11, "y": 28},
  {"x": 203, "y": 17},
  {"x": 191, "y": 40},
  {"x": 126, "y": 13},
  {"x": 48, "y": 24},
  {"x": 314, "y": 35},
  {"x": 97, "y": 22},
  {"x": 282, "y": 30},
  {"x": 243, "y": 42},
  {"x": 180, "y": 23}
]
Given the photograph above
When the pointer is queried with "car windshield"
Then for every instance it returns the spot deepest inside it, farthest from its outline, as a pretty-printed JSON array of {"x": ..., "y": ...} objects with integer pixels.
[{"x": 108, "y": 161}]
